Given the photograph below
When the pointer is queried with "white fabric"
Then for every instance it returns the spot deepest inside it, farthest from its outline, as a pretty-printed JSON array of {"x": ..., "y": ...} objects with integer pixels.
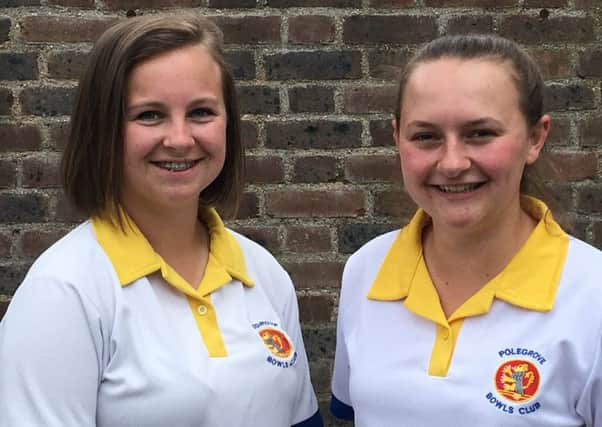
[
  {"x": 383, "y": 351},
  {"x": 77, "y": 349}
]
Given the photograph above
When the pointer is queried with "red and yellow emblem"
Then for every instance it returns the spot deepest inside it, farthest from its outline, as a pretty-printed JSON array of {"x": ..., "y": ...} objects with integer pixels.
[
  {"x": 277, "y": 342},
  {"x": 517, "y": 380}
]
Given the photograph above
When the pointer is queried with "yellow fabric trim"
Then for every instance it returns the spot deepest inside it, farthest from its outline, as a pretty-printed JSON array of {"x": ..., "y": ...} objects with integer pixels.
[
  {"x": 404, "y": 276},
  {"x": 208, "y": 326},
  {"x": 133, "y": 257}
]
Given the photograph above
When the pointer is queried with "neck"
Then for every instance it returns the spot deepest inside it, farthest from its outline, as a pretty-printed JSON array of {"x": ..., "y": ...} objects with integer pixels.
[{"x": 460, "y": 262}]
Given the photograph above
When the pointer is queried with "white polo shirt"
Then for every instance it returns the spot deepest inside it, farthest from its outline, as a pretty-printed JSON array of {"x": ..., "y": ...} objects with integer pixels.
[
  {"x": 102, "y": 332},
  {"x": 523, "y": 351}
]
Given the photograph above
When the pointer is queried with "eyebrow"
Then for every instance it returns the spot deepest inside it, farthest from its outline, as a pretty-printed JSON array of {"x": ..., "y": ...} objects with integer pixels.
[
  {"x": 158, "y": 104},
  {"x": 477, "y": 122}
]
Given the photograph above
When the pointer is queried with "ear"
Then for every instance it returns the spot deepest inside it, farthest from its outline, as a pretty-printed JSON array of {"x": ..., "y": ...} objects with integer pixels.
[
  {"x": 395, "y": 132},
  {"x": 537, "y": 138}
]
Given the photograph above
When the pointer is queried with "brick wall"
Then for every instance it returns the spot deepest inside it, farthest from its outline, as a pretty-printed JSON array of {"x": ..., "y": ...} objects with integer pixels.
[{"x": 317, "y": 88}]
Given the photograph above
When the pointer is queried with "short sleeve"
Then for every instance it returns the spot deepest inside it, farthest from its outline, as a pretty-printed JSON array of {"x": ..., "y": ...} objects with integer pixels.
[
  {"x": 589, "y": 405},
  {"x": 340, "y": 403},
  {"x": 305, "y": 410},
  {"x": 49, "y": 357}
]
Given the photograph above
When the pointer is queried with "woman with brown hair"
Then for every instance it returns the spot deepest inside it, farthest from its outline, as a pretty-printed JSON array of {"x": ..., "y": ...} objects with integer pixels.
[
  {"x": 482, "y": 310},
  {"x": 152, "y": 313}
]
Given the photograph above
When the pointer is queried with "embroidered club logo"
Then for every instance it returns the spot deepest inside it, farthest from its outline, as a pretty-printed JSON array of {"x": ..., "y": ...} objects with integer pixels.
[
  {"x": 277, "y": 342},
  {"x": 517, "y": 380}
]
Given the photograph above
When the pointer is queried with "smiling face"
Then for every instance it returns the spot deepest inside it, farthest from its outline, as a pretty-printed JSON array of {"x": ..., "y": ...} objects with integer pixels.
[
  {"x": 463, "y": 142},
  {"x": 174, "y": 130}
]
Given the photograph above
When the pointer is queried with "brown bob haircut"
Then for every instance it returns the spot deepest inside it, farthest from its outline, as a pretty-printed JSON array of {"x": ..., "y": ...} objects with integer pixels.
[{"x": 92, "y": 165}]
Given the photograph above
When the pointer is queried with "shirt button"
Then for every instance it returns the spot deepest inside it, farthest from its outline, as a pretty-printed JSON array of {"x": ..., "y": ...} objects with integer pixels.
[
  {"x": 202, "y": 309},
  {"x": 445, "y": 334}
]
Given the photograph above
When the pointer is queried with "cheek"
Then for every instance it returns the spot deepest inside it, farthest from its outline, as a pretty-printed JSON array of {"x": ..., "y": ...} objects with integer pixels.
[{"x": 414, "y": 163}]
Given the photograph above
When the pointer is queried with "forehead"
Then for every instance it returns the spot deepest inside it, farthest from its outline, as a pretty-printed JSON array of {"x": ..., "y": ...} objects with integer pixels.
[{"x": 461, "y": 84}]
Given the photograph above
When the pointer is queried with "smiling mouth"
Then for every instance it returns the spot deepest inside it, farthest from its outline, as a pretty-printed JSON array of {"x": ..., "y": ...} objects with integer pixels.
[
  {"x": 176, "y": 166},
  {"x": 459, "y": 188}
]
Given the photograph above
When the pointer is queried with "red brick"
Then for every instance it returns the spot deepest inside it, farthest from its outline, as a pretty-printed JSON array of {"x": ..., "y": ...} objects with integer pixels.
[
  {"x": 249, "y": 29},
  {"x": 470, "y": 24},
  {"x": 66, "y": 212},
  {"x": 5, "y": 25},
  {"x": 396, "y": 204},
  {"x": 73, "y": 3},
  {"x": 558, "y": 196},
  {"x": 590, "y": 63},
  {"x": 587, "y": 4},
  {"x": 374, "y": 167},
  {"x": 470, "y": 3},
  {"x": 589, "y": 199},
  {"x": 68, "y": 29},
  {"x": 257, "y": 99},
  {"x": 19, "y": 138},
  {"x": 560, "y": 132},
  {"x": 226, "y": 4},
  {"x": 66, "y": 65},
  {"x": 242, "y": 63},
  {"x": 312, "y": 3},
  {"x": 597, "y": 228},
  {"x": 16, "y": 3},
  {"x": 313, "y": 134},
  {"x": 562, "y": 166},
  {"x": 558, "y": 97},
  {"x": 265, "y": 236},
  {"x": 315, "y": 274},
  {"x": 546, "y": 3},
  {"x": 8, "y": 173},
  {"x": 353, "y": 236},
  {"x": 386, "y": 63},
  {"x": 41, "y": 172},
  {"x": 553, "y": 64},
  {"x": 249, "y": 134},
  {"x": 18, "y": 66},
  {"x": 381, "y": 132},
  {"x": 363, "y": 29},
  {"x": 11, "y": 276},
  {"x": 308, "y": 239},
  {"x": 22, "y": 208},
  {"x": 313, "y": 99},
  {"x": 6, "y": 101},
  {"x": 315, "y": 169},
  {"x": 34, "y": 242},
  {"x": 249, "y": 206},
  {"x": 59, "y": 134},
  {"x": 325, "y": 203},
  {"x": 321, "y": 373},
  {"x": 3, "y": 308},
  {"x": 370, "y": 99},
  {"x": 150, "y": 4},
  {"x": 47, "y": 101},
  {"x": 5, "y": 245},
  {"x": 533, "y": 30},
  {"x": 311, "y": 29},
  {"x": 590, "y": 131},
  {"x": 317, "y": 65},
  {"x": 262, "y": 170},
  {"x": 392, "y": 3},
  {"x": 315, "y": 308}
]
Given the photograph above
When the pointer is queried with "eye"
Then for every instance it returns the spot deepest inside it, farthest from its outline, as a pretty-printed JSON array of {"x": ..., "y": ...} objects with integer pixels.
[
  {"x": 482, "y": 134},
  {"x": 426, "y": 139},
  {"x": 149, "y": 116},
  {"x": 201, "y": 113}
]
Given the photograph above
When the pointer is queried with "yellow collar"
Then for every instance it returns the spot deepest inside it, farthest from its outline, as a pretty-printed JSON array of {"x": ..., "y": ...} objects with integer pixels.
[
  {"x": 403, "y": 273},
  {"x": 133, "y": 257}
]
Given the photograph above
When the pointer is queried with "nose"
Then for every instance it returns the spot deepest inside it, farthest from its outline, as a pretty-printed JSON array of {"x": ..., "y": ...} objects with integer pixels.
[
  {"x": 179, "y": 135},
  {"x": 454, "y": 158}
]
